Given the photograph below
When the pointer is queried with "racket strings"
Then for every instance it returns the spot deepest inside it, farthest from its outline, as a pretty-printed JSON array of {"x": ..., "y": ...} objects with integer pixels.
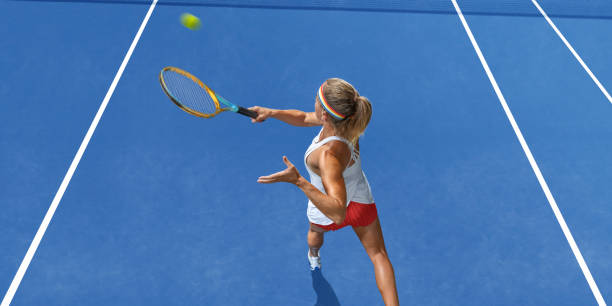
[{"x": 189, "y": 93}]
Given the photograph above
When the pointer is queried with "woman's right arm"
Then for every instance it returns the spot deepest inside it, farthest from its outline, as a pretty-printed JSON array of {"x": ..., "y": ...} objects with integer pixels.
[{"x": 290, "y": 116}]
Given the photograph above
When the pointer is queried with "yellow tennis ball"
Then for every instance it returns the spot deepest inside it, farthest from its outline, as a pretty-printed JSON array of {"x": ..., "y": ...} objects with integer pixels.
[{"x": 191, "y": 22}]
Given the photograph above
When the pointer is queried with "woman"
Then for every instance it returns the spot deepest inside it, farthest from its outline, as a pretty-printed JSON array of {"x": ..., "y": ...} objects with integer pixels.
[{"x": 339, "y": 192}]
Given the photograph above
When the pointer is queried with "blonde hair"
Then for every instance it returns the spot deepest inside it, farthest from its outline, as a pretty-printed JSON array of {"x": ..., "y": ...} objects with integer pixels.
[{"x": 345, "y": 99}]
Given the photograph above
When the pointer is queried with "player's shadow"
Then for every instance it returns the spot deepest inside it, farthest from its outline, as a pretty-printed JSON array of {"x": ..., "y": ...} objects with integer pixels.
[{"x": 325, "y": 293}]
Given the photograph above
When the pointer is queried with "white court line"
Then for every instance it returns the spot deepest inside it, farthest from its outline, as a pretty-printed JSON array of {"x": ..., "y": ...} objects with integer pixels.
[
  {"x": 532, "y": 162},
  {"x": 567, "y": 44},
  {"x": 6, "y": 301}
]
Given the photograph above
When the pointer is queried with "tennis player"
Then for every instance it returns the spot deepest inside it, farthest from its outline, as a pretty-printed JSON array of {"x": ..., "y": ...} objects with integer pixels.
[{"x": 338, "y": 192}]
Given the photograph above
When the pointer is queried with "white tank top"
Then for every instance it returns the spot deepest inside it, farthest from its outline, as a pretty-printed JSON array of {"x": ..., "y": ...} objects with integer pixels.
[{"x": 357, "y": 186}]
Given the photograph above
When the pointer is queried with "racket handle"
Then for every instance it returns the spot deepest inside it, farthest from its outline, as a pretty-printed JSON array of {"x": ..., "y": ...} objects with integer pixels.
[{"x": 247, "y": 112}]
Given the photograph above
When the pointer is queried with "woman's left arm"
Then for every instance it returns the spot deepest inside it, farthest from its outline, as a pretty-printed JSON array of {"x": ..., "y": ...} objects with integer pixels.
[{"x": 331, "y": 204}]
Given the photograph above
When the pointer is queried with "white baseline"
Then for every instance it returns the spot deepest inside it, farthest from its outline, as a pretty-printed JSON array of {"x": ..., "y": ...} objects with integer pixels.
[
  {"x": 532, "y": 162},
  {"x": 8, "y": 297}
]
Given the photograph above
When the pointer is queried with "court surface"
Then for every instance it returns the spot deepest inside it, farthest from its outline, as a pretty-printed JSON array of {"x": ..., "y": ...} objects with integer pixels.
[{"x": 164, "y": 208}]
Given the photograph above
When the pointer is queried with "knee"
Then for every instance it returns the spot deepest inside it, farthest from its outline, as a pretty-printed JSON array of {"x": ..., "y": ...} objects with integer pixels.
[{"x": 378, "y": 254}]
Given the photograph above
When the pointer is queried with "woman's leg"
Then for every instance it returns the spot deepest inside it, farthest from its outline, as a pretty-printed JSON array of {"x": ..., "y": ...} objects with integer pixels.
[
  {"x": 315, "y": 239},
  {"x": 372, "y": 239}
]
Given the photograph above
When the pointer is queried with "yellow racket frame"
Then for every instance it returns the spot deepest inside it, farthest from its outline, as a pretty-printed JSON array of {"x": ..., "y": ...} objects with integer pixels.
[{"x": 211, "y": 93}]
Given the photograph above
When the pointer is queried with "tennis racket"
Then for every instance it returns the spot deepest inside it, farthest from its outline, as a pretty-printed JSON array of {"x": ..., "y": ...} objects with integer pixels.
[{"x": 194, "y": 97}]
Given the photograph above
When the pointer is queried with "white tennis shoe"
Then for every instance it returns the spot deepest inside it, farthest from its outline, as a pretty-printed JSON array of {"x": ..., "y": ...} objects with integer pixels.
[{"x": 315, "y": 262}]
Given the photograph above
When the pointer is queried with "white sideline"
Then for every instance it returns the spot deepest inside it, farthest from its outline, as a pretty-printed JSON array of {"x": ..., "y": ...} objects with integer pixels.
[
  {"x": 8, "y": 298},
  {"x": 532, "y": 162},
  {"x": 567, "y": 44}
]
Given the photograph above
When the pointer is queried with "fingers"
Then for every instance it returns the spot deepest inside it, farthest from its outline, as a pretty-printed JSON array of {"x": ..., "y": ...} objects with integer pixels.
[
  {"x": 267, "y": 179},
  {"x": 273, "y": 178},
  {"x": 287, "y": 162},
  {"x": 261, "y": 116},
  {"x": 255, "y": 109},
  {"x": 264, "y": 180},
  {"x": 288, "y": 175}
]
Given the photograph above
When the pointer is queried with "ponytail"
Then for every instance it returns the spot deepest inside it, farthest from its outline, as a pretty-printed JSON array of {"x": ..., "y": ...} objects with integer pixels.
[
  {"x": 344, "y": 99},
  {"x": 357, "y": 122}
]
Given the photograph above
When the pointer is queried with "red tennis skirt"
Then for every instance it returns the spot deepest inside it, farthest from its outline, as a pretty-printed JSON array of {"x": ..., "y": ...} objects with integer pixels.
[{"x": 357, "y": 214}]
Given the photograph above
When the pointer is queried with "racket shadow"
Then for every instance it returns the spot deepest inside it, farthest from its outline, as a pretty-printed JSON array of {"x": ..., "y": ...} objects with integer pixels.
[{"x": 325, "y": 293}]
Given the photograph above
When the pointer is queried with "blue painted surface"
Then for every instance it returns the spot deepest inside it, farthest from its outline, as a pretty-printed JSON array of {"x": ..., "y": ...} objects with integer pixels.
[
  {"x": 57, "y": 63},
  {"x": 164, "y": 208}
]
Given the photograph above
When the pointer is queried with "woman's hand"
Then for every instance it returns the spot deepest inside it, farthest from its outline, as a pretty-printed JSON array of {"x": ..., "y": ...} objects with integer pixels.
[
  {"x": 289, "y": 175},
  {"x": 262, "y": 113}
]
